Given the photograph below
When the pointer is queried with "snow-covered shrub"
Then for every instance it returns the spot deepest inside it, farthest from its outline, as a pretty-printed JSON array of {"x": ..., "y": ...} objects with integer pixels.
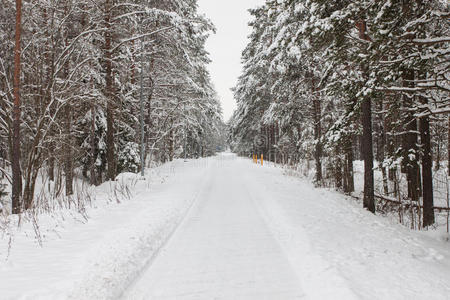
[
  {"x": 129, "y": 159},
  {"x": 85, "y": 140}
]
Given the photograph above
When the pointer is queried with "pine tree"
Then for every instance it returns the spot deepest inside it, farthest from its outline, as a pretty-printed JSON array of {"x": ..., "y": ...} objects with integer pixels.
[{"x": 16, "y": 137}]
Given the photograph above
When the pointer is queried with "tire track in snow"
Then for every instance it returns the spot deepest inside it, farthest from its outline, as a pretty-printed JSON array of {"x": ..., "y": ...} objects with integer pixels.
[{"x": 155, "y": 254}]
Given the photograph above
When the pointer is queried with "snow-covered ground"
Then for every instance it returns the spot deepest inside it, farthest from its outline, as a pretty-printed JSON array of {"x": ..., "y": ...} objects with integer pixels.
[
  {"x": 374, "y": 256},
  {"x": 99, "y": 257},
  {"x": 440, "y": 190},
  {"x": 225, "y": 228}
]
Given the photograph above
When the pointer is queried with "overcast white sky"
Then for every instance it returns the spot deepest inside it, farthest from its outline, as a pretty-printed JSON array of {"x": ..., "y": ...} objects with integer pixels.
[{"x": 230, "y": 18}]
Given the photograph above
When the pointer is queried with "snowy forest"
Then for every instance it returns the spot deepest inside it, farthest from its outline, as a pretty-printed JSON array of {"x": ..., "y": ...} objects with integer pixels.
[
  {"x": 85, "y": 84},
  {"x": 328, "y": 83},
  {"x": 128, "y": 128}
]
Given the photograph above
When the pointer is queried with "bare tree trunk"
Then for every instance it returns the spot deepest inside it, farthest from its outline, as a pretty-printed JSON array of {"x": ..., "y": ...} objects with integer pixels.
[
  {"x": 367, "y": 142},
  {"x": 349, "y": 182},
  {"x": 427, "y": 165},
  {"x": 448, "y": 146},
  {"x": 148, "y": 117},
  {"x": 381, "y": 148},
  {"x": 68, "y": 160},
  {"x": 15, "y": 159},
  {"x": 338, "y": 171},
  {"x": 93, "y": 147},
  {"x": 410, "y": 155},
  {"x": 427, "y": 173},
  {"x": 317, "y": 133},
  {"x": 438, "y": 154},
  {"x": 369, "y": 196},
  {"x": 392, "y": 142},
  {"x": 171, "y": 147},
  {"x": 385, "y": 181},
  {"x": 68, "y": 163},
  {"x": 48, "y": 95},
  {"x": 277, "y": 137},
  {"x": 110, "y": 155},
  {"x": 51, "y": 164},
  {"x": 390, "y": 138}
]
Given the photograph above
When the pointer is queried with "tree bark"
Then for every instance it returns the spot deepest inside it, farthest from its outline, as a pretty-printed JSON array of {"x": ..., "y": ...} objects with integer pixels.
[
  {"x": 51, "y": 164},
  {"x": 427, "y": 164},
  {"x": 317, "y": 133},
  {"x": 410, "y": 150},
  {"x": 68, "y": 163},
  {"x": 275, "y": 143},
  {"x": 68, "y": 159},
  {"x": 369, "y": 196},
  {"x": 110, "y": 151},
  {"x": 381, "y": 146},
  {"x": 338, "y": 171},
  {"x": 148, "y": 117},
  {"x": 171, "y": 146},
  {"x": 438, "y": 153},
  {"x": 427, "y": 173},
  {"x": 367, "y": 141},
  {"x": 391, "y": 140},
  {"x": 93, "y": 148},
  {"x": 349, "y": 182},
  {"x": 15, "y": 159}
]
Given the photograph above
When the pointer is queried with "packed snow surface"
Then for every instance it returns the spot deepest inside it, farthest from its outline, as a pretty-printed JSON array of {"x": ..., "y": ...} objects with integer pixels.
[{"x": 226, "y": 228}]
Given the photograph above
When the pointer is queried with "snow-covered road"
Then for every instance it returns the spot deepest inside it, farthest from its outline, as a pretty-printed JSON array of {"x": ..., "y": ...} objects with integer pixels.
[
  {"x": 256, "y": 234},
  {"x": 222, "y": 250}
]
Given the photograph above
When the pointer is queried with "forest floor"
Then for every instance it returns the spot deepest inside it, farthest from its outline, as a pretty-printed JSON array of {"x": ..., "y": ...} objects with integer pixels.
[{"x": 224, "y": 228}]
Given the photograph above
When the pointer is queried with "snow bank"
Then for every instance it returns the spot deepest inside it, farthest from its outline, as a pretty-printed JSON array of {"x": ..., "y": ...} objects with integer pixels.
[
  {"x": 98, "y": 257},
  {"x": 330, "y": 237}
]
